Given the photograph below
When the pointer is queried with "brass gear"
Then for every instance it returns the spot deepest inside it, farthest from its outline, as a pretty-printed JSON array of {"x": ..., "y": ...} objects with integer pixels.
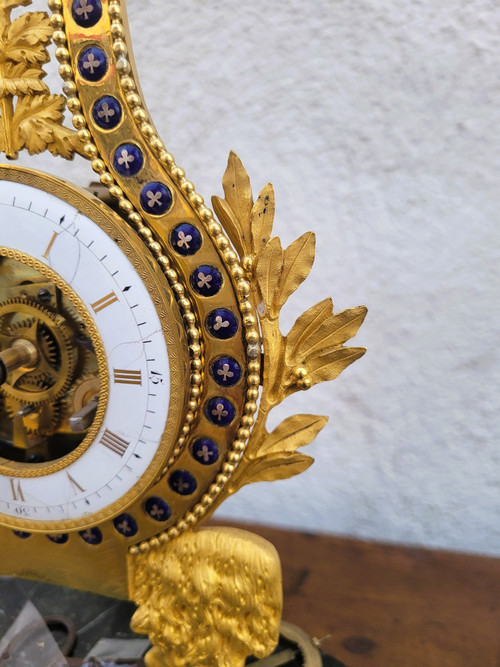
[
  {"x": 50, "y": 378},
  {"x": 46, "y": 343},
  {"x": 43, "y": 420}
]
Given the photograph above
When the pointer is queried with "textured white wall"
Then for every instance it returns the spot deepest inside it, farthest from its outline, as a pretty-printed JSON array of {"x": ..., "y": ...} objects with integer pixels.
[{"x": 377, "y": 122}]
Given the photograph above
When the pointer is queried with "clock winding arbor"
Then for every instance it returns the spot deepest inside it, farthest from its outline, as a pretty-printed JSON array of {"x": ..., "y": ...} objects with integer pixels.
[{"x": 133, "y": 344}]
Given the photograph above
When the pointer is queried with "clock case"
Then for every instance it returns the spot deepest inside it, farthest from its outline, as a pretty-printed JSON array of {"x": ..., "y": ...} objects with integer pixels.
[{"x": 150, "y": 240}]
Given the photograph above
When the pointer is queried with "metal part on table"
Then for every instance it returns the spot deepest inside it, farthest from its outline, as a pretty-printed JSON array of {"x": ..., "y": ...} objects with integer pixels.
[
  {"x": 118, "y": 650},
  {"x": 306, "y": 649}
]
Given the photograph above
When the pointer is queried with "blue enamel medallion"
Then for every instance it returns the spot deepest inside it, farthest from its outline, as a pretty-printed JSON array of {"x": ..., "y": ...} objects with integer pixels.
[
  {"x": 157, "y": 508},
  {"x": 91, "y": 536},
  {"x": 206, "y": 280},
  {"x": 205, "y": 451},
  {"x": 222, "y": 323},
  {"x": 185, "y": 239},
  {"x": 182, "y": 482},
  {"x": 219, "y": 411},
  {"x": 126, "y": 525},
  {"x": 86, "y": 13},
  {"x": 128, "y": 160},
  {"x": 21, "y": 534},
  {"x": 226, "y": 371},
  {"x": 107, "y": 112},
  {"x": 156, "y": 198},
  {"x": 62, "y": 538},
  {"x": 92, "y": 63}
]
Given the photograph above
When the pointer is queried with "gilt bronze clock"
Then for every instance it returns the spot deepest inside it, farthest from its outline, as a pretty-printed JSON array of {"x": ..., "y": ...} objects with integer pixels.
[{"x": 140, "y": 351}]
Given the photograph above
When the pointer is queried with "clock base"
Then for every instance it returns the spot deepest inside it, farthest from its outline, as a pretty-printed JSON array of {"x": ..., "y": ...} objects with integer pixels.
[{"x": 83, "y": 609}]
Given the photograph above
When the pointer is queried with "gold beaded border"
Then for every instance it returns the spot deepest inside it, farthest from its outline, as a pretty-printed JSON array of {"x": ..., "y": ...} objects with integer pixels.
[{"x": 252, "y": 334}]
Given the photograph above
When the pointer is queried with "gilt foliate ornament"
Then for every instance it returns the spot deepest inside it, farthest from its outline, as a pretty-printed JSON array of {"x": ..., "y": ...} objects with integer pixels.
[
  {"x": 32, "y": 116},
  {"x": 141, "y": 352},
  {"x": 313, "y": 351}
]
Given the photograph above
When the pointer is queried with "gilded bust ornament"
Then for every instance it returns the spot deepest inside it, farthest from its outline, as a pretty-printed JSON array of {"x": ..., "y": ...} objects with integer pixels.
[{"x": 141, "y": 352}]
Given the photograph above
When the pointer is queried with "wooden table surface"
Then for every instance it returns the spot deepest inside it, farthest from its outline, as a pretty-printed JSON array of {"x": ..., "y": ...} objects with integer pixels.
[{"x": 388, "y": 606}]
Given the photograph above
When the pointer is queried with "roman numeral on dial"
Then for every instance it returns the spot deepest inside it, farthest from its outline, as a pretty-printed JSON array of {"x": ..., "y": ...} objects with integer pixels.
[
  {"x": 126, "y": 377},
  {"x": 114, "y": 443},
  {"x": 103, "y": 303},
  {"x": 17, "y": 492}
]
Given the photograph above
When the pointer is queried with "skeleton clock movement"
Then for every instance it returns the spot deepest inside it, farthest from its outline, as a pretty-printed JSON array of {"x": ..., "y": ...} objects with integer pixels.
[{"x": 140, "y": 348}]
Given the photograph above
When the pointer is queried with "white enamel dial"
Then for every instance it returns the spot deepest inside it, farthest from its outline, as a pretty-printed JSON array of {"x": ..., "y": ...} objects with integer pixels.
[{"x": 70, "y": 244}]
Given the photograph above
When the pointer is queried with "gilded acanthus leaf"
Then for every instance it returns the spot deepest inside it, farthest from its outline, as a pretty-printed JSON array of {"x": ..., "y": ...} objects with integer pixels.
[
  {"x": 261, "y": 219},
  {"x": 27, "y": 38},
  {"x": 268, "y": 274},
  {"x": 31, "y": 117},
  {"x": 37, "y": 125},
  {"x": 315, "y": 346},
  {"x": 274, "y": 455},
  {"x": 238, "y": 193},
  {"x": 21, "y": 79},
  {"x": 64, "y": 142},
  {"x": 304, "y": 332},
  {"x": 294, "y": 432},
  {"x": 6, "y": 6},
  {"x": 10, "y": 4}
]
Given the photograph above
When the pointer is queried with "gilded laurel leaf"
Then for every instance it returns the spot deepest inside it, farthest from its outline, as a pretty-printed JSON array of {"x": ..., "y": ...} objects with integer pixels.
[
  {"x": 329, "y": 364},
  {"x": 278, "y": 466},
  {"x": 319, "y": 329},
  {"x": 297, "y": 263},
  {"x": 268, "y": 274},
  {"x": 305, "y": 329},
  {"x": 248, "y": 225},
  {"x": 261, "y": 220},
  {"x": 27, "y": 37},
  {"x": 21, "y": 79},
  {"x": 279, "y": 272},
  {"x": 294, "y": 432},
  {"x": 230, "y": 223},
  {"x": 312, "y": 352},
  {"x": 238, "y": 193},
  {"x": 345, "y": 325}
]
